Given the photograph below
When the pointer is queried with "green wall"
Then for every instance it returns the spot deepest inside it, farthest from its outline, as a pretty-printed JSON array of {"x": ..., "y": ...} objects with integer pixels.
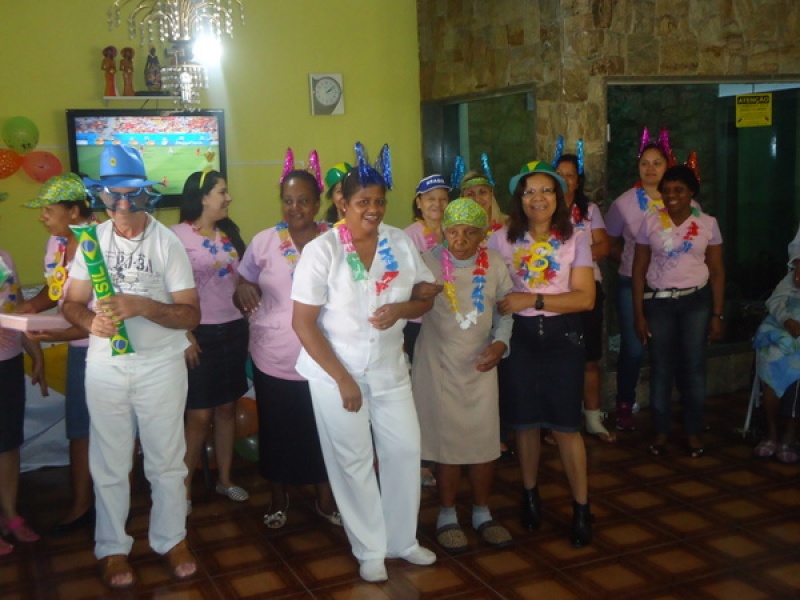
[{"x": 262, "y": 83}]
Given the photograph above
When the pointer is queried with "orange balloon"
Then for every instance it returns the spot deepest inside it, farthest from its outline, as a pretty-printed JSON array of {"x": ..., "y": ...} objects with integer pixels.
[
  {"x": 10, "y": 162},
  {"x": 246, "y": 417},
  {"x": 41, "y": 166}
]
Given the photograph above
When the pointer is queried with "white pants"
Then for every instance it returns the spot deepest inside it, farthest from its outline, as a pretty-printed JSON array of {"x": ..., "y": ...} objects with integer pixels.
[
  {"x": 379, "y": 522},
  {"x": 150, "y": 395}
]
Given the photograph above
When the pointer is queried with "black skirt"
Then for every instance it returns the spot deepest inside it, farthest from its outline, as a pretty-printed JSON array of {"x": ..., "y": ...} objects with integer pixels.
[
  {"x": 220, "y": 377},
  {"x": 12, "y": 403},
  {"x": 288, "y": 442}
]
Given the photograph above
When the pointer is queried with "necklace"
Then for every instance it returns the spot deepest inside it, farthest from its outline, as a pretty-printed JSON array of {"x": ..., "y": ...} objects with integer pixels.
[
  {"x": 536, "y": 264},
  {"x": 478, "y": 283},
  {"x": 666, "y": 233},
  {"x": 56, "y": 274},
  {"x": 223, "y": 264},
  {"x": 287, "y": 247},
  {"x": 357, "y": 267},
  {"x": 645, "y": 203},
  {"x": 117, "y": 272},
  {"x": 428, "y": 235}
]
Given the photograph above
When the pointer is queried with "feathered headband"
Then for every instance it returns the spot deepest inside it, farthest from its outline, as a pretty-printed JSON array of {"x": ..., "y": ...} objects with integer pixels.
[
  {"x": 662, "y": 143},
  {"x": 459, "y": 169},
  {"x": 381, "y": 173},
  {"x": 560, "y": 152},
  {"x": 313, "y": 163}
]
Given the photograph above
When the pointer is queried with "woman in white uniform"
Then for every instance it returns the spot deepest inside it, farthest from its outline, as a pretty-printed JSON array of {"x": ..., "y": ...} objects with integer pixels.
[{"x": 352, "y": 296}]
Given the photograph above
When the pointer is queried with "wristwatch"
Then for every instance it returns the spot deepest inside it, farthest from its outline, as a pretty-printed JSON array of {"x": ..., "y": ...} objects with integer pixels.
[{"x": 539, "y": 302}]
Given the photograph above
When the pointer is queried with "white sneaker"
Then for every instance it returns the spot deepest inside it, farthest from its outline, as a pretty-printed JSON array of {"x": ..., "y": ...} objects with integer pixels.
[
  {"x": 418, "y": 556},
  {"x": 373, "y": 571}
]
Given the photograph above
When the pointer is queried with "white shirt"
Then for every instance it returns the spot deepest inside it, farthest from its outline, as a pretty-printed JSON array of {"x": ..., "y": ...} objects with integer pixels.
[{"x": 323, "y": 278}]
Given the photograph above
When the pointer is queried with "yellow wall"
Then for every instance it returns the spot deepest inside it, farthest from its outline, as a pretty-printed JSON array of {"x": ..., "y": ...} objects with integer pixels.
[{"x": 262, "y": 84}]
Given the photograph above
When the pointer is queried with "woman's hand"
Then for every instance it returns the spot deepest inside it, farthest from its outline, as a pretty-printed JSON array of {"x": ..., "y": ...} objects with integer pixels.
[
  {"x": 385, "y": 316},
  {"x": 715, "y": 330},
  {"x": 793, "y": 327},
  {"x": 425, "y": 291},
  {"x": 515, "y": 302},
  {"x": 642, "y": 329},
  {"x": 192, "y": 353},
  {"x": 351, "y": 394},
  {"x": 488, "y": 359},
  {"x": 247, "y": 297}
]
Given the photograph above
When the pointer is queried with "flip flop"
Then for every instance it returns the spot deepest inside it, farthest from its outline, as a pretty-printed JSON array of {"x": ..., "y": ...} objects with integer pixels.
[{"x": 787, "y": 454}]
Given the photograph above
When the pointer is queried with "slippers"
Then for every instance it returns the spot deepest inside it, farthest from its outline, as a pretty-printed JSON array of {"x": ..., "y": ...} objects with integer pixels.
[
  {"x": 765, "y": 449},
  {"x": 787, "y": 454},
  {"x": 180, "y": 556},
  {"x": 494, "y": 534},
  {"x": 657, "y": 449},
  {"x": 452, "y": 538},
  {"x": 234, "y": 492},
  {"x": 695, "y": 452},
  {"x": 19, "y": 529},
  {"x": 114, "y": 565}
]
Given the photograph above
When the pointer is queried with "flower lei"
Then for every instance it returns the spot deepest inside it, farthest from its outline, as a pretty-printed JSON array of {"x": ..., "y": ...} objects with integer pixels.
[
  {"x": 287, "y": 247},
  {"x": 494, "y": 227},
  {"x": 56, "y": 275},
  {"x": 8, "y": 281},
  {"x": 536, "y": 264},
  {"x": 646, "y": 203},
  {"x": 359, "y": 270},
  {"x": 225, "y": 266},
  {"x": 430, "y": 236},
  {"x": 666, "y": 233},
  {"x": 478, "y": 283}
]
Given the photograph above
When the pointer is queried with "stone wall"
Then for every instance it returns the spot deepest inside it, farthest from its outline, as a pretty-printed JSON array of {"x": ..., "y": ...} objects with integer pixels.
[{"x": 570, "y": 48}]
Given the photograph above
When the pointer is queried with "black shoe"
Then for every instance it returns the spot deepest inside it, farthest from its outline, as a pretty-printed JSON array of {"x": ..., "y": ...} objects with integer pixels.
[
  {"x": 85, "y": 520},
  {"x": 581, "y": 533},
  {"x": 531, "y": 509}
]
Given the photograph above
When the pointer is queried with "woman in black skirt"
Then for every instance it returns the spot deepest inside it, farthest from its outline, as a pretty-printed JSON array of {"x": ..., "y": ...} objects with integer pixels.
[{"x": 289, "y": 450}]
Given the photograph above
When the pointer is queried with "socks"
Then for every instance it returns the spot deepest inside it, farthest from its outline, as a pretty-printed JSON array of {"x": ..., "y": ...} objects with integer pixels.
[
  {"x": 447, "y": 516},
  {"x": 480, "y": 514}
]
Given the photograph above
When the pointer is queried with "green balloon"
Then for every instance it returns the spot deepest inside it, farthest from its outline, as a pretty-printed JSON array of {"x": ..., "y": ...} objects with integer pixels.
[
  {"x": 20, "y": 134},
  {"x": 247, "y": 448}
]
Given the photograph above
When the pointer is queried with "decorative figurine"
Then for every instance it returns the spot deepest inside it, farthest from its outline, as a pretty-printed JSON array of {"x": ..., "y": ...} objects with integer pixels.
[
  {"x": 152, "y": 72},
  {"x": 126, "y": 66},
  {"x": 110, "y": 67}
]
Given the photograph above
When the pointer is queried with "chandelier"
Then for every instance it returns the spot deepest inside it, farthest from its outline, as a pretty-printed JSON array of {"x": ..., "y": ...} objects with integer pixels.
[{"x": 181, "y": 23}]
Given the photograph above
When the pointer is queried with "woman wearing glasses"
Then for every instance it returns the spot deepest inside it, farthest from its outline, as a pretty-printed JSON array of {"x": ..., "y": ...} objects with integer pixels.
[
  {"x": 218, "y": 351},
  {"x": 541, "y": 382}
]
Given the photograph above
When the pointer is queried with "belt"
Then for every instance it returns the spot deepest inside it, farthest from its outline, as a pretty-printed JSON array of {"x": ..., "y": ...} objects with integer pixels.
[{"x": 672, "y": 293}]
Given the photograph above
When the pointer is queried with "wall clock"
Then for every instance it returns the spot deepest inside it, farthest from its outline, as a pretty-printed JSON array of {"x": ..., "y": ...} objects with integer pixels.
[{"x": 327, "y": 93}]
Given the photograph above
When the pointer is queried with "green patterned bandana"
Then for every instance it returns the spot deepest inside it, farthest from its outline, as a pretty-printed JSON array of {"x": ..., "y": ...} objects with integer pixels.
[
  {"x": 60, "y": 188},
  {"x": 464, "y": 211}
]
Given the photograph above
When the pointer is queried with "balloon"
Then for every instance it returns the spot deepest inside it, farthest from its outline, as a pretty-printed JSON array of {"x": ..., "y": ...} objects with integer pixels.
[
  {"x": 41, "y": 166},
  {"x": 10, "y": 162},
  {"x": 246, "y": 417},
  {"x": 20, "y": 134},
  {"x": 247, "y": 448}
]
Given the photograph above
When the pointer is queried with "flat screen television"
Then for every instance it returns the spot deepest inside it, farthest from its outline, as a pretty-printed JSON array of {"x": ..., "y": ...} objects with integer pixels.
[{"x": 173, "y": 144}]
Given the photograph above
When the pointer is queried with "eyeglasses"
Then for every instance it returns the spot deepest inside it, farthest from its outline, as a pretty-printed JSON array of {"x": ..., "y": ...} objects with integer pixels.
[
  {"x": 138, "y": 199},
  {"x": 545, "y": 191}
]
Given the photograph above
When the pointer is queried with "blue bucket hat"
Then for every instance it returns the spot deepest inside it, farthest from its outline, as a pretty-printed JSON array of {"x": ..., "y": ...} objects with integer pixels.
[
  {"x": 121, "y": 167},
  {"x": 432, "y": 182},
  {"x": 533, "y": 167}
]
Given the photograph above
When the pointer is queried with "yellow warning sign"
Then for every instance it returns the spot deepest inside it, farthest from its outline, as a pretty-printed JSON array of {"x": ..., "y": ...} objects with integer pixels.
[{"x": 753, "y": 110}]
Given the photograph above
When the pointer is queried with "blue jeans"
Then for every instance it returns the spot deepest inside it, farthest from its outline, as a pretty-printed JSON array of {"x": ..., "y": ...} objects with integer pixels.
[
  {"x": 631, "y": 350},
  {"x": 679, "y": 329}
]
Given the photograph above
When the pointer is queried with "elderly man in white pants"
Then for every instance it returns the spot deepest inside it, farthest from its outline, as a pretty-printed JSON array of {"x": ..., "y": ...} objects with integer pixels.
[{"x": 144, "y": 390}]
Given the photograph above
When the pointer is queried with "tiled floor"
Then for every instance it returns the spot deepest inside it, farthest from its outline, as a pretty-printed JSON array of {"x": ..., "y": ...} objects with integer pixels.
[{"x": 724, "y": 526}]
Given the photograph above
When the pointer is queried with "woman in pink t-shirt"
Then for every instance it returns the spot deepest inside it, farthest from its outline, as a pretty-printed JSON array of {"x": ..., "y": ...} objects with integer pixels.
[
  {"x": 678, "y": 299},
  {"x": 218, "y": 352},
  {"x": 289, "y": 450},
  {"x": 541, "y": 381}
]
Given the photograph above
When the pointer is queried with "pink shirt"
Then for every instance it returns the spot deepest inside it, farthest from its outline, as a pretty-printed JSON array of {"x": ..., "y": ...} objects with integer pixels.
[
  {"x": 593, "y": 220},
  {"x": 561, "y": 258},
  {"x": 55, "y": 256},
  {"x": 423, "y": 243},
  {"x": 214, "y": 266},
  {"x": 624, "y": 219},
  {"x": 10, "y": 296},
  {"x": 678, "y": 253},
  {"x": 274, "y": 346}
]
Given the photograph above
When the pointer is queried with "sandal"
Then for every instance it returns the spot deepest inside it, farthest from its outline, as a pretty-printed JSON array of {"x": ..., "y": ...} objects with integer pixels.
[
  {"x": 494, "y": 534},
  {"x": 765, "y": 449},
  {"x": 18, "y": 529},
  {"x": 277, "y": 519},
  {"x": 787, "y": 454},
  {"x": 452, "y": 538},
  {"x": 594, "y": 426},
  {"x": 112, "y": 567},
  {"x": 234, "y": 492},
  {"x": 549, "y": 439},
  {"x": 178, "y": 557},
  {"x": 335, "y": 518}
]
